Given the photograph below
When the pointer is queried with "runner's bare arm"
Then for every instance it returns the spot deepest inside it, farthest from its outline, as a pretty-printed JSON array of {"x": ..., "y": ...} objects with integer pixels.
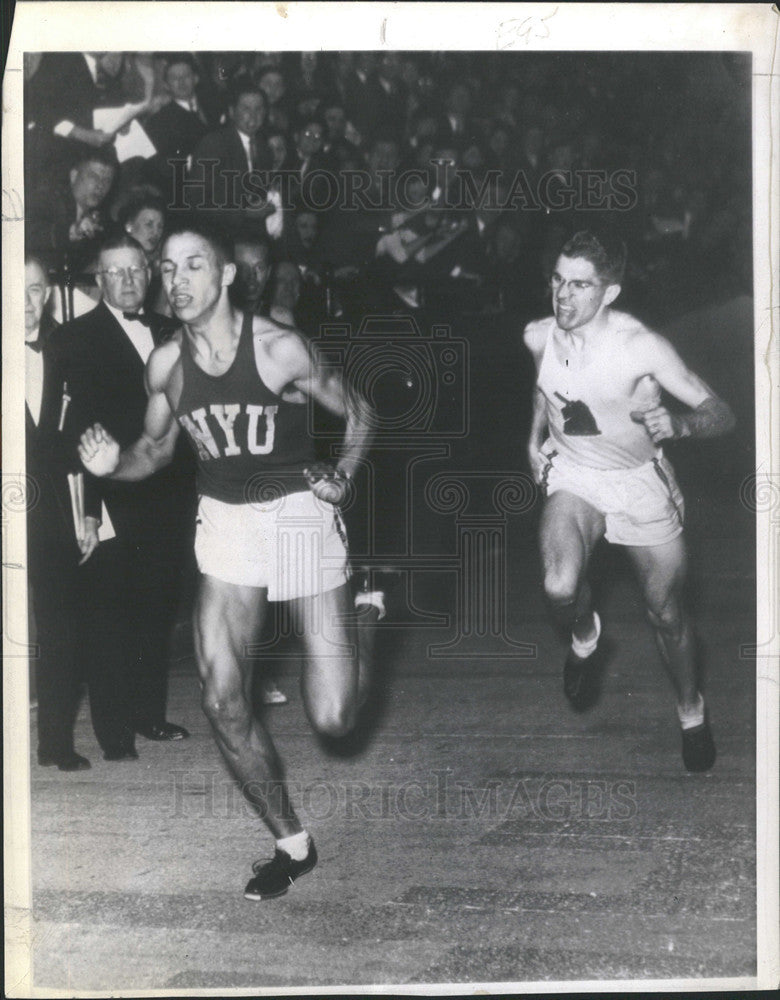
[
  {"x": 330, "y": 390},
  {"x": 710, "y": 416},
  {"x": 99, "y": 451}
]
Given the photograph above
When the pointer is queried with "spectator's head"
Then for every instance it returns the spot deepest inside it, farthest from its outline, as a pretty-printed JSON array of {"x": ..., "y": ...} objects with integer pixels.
[
  {"x": 122, "y": 272},
  {"x": 390, "y": 66},
  {"x": 277, "y": 143},
  {"x": 384, "y": 154},
  {"x": 307, "y": 227},
  {"x": 253, "y": 266},
  {"x": 335, "y": 119},
  {"x": 143, "y": 217},
  {"x": 36, "y": 294},
  {"x": 110, "y": 63},
  {"x": 197, "y": 268},
  {"x": 91, "y": 179},
  {"x": 459, "y": 99},
  {"x": 247, "y": 108},
  {"x": 309, "y": 135},
  {"x": 181, "y": 77},
  {"x": 285, "y": 286},
  {"x": 533, "y": 141},
  {"x": 272, "y": 84}
]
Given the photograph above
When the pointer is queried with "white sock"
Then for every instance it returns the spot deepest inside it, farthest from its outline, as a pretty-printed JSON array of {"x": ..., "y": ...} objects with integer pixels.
[
  {"x": 584, "y": 647},
  {"x": 297, "y": 846},
  {"x": 375, "y": 598},
  {"x": 694, "y": 717}
]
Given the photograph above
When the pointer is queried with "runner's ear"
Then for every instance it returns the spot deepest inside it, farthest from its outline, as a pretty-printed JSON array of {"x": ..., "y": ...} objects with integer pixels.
[
  {"x": 611, "y": 293},
  {"x": 228, "y": 273}
]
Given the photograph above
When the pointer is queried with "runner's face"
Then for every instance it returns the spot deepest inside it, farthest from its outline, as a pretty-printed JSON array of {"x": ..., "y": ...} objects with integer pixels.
[
  {"x": 192, "y": 276},
  {"x": 578, "y": 293}
]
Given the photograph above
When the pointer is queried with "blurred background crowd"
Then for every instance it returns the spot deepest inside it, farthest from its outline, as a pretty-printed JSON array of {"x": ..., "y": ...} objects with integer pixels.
[{"x": 300, "y": 127}]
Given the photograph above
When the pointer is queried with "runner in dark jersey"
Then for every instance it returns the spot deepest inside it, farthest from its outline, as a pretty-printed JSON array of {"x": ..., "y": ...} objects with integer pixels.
[
  {"x": 595, "y": 449},
  {"x": 268, "y": 522}
]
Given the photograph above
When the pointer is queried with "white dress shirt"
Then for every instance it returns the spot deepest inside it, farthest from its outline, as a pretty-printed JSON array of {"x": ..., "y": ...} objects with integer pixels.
[
  {"x": 33, "y": 382},
  {"x": 140, "y": 336}
]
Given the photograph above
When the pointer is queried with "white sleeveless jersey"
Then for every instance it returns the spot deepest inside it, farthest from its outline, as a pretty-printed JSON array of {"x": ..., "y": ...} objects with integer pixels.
[{"x": 588, "y": 410}]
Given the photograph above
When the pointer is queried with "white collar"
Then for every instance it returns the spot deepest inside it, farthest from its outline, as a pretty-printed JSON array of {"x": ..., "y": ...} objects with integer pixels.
[{"x": 92, "y": 65}]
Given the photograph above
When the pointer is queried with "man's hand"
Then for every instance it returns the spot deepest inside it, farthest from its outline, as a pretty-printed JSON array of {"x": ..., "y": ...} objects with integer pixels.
[
  {"x": 327, "y": 482},
  {"x": 98, "y": 451},
  {"x": 89, "y": 542},
  {"x": 87, "y": 228},
  {"x": 660, "y": 424}
]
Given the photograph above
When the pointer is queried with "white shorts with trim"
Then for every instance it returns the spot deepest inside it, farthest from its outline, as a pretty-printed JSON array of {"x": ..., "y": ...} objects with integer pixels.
[
  {"x": 641, "y": 506},
  {"x": 294, "y": 545}
]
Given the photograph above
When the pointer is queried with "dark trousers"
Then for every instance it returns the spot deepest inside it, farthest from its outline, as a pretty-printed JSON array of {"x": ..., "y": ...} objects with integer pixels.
[{"x": 58, "y": 666}]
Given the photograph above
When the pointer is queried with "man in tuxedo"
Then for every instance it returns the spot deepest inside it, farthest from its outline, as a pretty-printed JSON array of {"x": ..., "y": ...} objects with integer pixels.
[
  {"x": 136, "y": 581},
  {"x": 178, "y": 127},
  {"x": 56, "y": 544},
  {"x": 233, "y": 186}
]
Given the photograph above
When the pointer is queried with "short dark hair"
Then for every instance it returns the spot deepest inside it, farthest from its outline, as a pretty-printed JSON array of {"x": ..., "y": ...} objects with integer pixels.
[
  {"x": 179, "y": 58},
  {"x": 605, "y": 252},
  {"x": 217, "y": 239},
  {"x": 245, "y": 85},
  {"x": 137, "y": 202},
  {"x": 251, "y": 238},
  {"x": 105, "y": 155},
  {"x": 120, "y": 240}
]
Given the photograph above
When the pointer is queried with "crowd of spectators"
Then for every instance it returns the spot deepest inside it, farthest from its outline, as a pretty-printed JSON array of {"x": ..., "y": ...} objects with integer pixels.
[{"x": 393, "y": 180}]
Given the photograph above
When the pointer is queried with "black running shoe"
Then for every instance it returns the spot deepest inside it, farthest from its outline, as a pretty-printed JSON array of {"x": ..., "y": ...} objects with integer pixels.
[
  {"x": 698, "y": 748},
  {"x": 582, "y": 679},
  {"x": 273, "y": 878}
]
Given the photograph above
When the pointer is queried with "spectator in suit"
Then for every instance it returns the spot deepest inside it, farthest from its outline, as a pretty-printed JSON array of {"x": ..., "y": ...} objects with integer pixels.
[
  {"x": 56, "y": 544},
  {"x": 240, "y": 149},
  {"x": 135, "y": 585},
  {"x": 71, "y": 219},
  {"x": 178, "y": 127}
]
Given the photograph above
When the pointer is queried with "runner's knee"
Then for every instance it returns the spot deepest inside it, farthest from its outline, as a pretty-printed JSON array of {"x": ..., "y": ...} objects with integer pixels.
[
  {"x": 667, "y": 617},
  {"x": 334, "y": 721},
  {"x": 225, "y": 707},
  {"x": 561, "y": 586}
]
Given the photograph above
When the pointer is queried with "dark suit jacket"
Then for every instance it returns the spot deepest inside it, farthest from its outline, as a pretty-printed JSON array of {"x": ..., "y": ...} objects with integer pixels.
[
  {"x": 216, "y": 187},
  {"x": 63, "y": 89},
  {"x": 175, "y": 133},
  {"x": 51, "y": 454},
  {"x": 107, "y": 376}
]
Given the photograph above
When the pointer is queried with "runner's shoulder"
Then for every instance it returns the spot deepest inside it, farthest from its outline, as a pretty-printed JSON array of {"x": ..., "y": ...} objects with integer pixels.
[
  {"x": 633, "y": 335},
  {"x": 536, "y": 333},
  {"x": 162, "y": 362},
  {"x": 283, "y": 345}
]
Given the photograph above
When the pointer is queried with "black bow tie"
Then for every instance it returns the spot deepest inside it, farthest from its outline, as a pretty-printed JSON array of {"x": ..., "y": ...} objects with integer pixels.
[
  {"x": 138, "y": 318},
  {"x": 37, "y": 345}
]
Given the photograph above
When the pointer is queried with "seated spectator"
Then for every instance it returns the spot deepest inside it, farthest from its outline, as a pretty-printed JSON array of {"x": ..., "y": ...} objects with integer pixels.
[
  {"x": 240, "y": 148},
  {"x": 285, "y": 293},
  {"x": 70, "y": 219},
  {"x": 143, "y": 218},
  {"x": 177, "y": 128},
  {"x": 253, "y": 268}
]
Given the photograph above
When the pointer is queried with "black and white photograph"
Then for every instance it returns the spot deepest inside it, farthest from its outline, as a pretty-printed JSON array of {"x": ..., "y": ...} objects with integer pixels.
[{"x": 390, "y": 498}]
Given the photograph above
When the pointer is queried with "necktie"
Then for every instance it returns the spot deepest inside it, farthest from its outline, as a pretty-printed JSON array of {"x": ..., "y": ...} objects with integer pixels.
[{"x": 141, "y": 318}]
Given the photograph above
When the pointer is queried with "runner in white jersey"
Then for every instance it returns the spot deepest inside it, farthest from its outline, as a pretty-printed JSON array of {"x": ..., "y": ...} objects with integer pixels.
[
  {"x": 595, "y": 450},
  {"x": 268, "y": 525}
]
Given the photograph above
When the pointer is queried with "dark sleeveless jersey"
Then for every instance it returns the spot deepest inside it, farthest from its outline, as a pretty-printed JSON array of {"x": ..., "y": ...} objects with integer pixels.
[{"x": 251, "y": 445}]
